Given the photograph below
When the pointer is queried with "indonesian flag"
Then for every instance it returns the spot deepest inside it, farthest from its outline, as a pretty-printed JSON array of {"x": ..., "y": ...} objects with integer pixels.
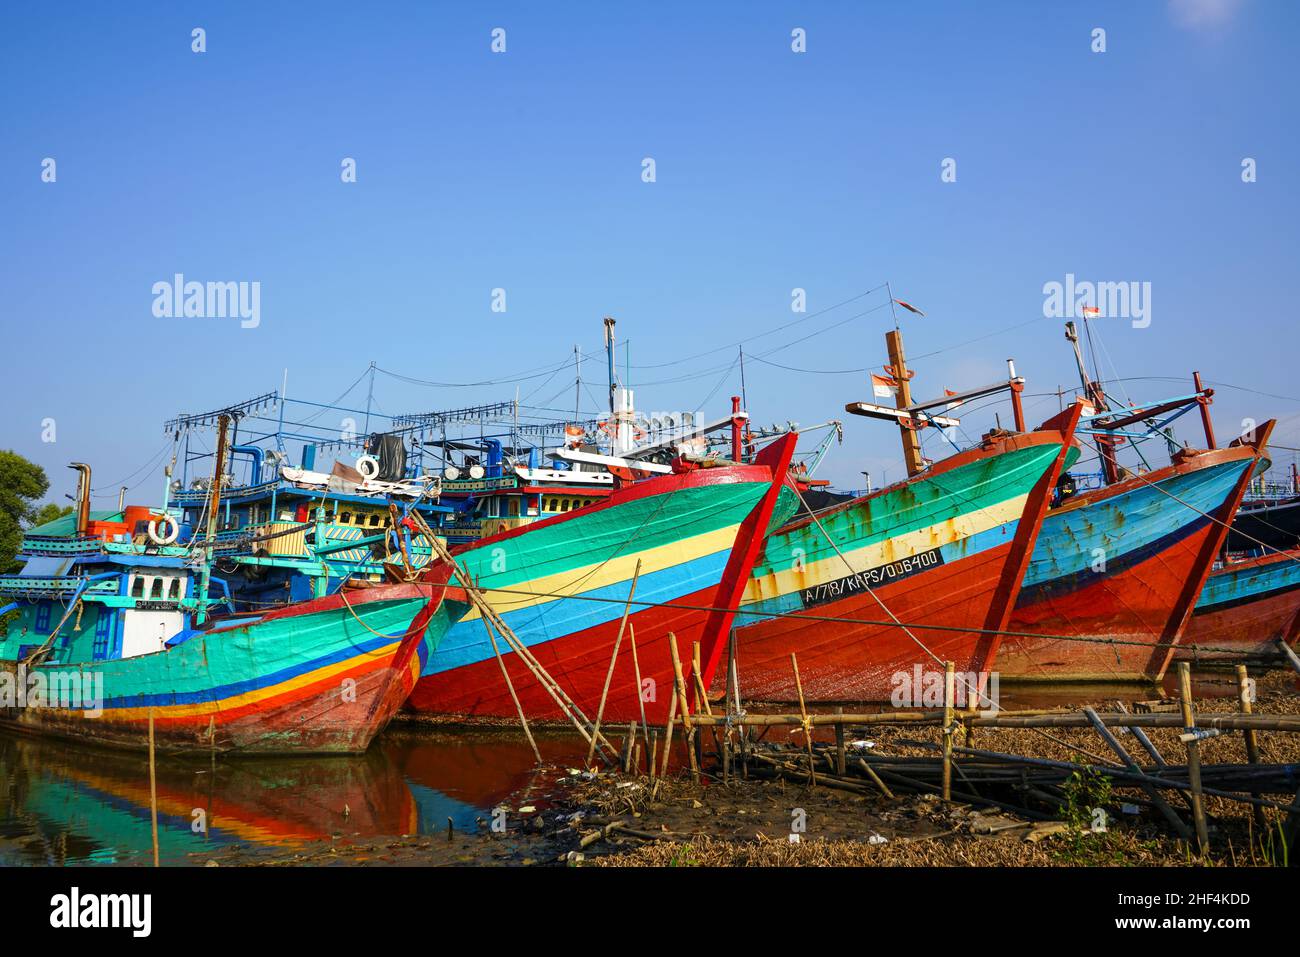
[
  {"x": 952, "y": 405},
  {"x": 909, "y": 307},
  {"x": 1091, "y": 312},
  {"x": 1088, "y": 407},
  {"x": 882, "y": 387}
]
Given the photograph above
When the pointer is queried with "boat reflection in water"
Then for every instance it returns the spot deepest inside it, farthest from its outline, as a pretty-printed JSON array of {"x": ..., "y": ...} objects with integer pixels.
[{"x": 67, "y": 804}]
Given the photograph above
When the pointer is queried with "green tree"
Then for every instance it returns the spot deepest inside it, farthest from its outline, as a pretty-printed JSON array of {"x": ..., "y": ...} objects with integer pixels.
[
  {"x": 22, "y": 485},
  {"x": 49, "y": 512}
]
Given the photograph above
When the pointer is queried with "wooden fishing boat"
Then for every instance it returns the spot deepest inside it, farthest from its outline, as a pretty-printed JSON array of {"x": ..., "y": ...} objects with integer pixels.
[
  {"x": 942, "y": 553},
  {"x": 1117, "y": 571},
  {"x": 562, "y": 584},
  {"x": 1247, "y": 604},
  {"x": 324, "y": 675}
]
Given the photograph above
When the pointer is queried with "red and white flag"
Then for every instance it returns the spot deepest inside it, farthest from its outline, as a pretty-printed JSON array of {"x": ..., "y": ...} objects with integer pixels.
[
  {"x": 952, "y": 405},
  {"x": 882, "y": 387},
  {"x": 1091, "y": 312}
]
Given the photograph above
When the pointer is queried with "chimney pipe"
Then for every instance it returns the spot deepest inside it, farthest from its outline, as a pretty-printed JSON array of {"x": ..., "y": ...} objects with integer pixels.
[{"x": 83, "y": 497}]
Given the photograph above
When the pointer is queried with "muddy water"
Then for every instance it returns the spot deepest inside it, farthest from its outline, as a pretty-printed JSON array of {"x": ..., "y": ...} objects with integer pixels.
[{"x": 63, "y": 803}]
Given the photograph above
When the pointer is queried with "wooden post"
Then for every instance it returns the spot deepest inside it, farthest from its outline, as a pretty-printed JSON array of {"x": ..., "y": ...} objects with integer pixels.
[
  {"x": 949, "y": 689},
  {"x": 898, "y": 362},
  {"x": 1252, "y": 745},
  {"x": 840, "y": 755},
  {"x": 1193, "y": 756},
  {"x": 153, "y": 791},
  {"x": 627, "y": 747}
]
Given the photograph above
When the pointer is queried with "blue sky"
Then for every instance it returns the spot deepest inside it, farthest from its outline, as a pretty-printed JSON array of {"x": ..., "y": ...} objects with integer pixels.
[{"x": 523, "y": 171}]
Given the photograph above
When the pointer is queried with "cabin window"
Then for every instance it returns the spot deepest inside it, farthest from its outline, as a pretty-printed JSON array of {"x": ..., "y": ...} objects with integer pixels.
[
  {"x": 345, "y": 518},
  {"x": 42, "y": 619},
  {"x": 103, "y": 634},
  {"x": 174, "y": 592},
  {"x": 137, "y": 587},
  {"x": 374, "y": 521},
  {"x": 157, "y": 590}
]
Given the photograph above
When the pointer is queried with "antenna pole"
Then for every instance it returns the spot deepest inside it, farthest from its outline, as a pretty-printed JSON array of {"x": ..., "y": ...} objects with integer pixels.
[
  {"x": 577, "y": 383},
  {"x": 609, "y": 354},
  {"x": 370, "y": 396}
]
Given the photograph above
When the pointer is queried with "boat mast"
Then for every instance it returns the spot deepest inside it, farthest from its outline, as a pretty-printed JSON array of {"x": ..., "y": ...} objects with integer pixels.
[
  {"x": 1097, "y": 396},
  {"x": 210, "y": 531},
  {"x": 899, "y": 372}
]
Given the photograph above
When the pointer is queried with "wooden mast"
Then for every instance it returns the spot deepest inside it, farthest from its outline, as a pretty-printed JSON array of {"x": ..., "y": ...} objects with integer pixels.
[{"x": 903, "y": 399}]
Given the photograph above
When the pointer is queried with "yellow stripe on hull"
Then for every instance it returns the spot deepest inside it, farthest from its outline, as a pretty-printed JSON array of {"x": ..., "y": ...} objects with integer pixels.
[
  {"x": 793, "y": 580},
  {"x": 256, "y": 696},
  {"x": 576, "y": 581}
]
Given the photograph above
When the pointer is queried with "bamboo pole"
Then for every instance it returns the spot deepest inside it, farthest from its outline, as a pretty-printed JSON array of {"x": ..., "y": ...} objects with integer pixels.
[
  {"x": 566, "y": 704},
  {"x": 949, "y": 676},
  {"x": 613, "y": 660},
  {"x": 153, "y": 791},
  {"x": 1193, "y": 755},
  {"x": 510, "y": 685},
  {"x": 741, "y": 729},
  {"x": 701, "y": 704},
  {"x": 640, "y": 696},
  {"x": 1252, "y": 745},
  {"x": 1033, "y": 719},
  {"x": 840, "y": 754},
  {"x": 679, "y": 685},
  {"x": 668, "y": 734},
  {"x": 804, "y": 722},
  {"x": 1289, "y": 653},
  {"x": 1179, "y": 825},
  {"x": 871, "y": 773}
]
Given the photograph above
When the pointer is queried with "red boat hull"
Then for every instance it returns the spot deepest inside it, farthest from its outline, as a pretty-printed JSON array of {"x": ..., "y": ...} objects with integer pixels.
[
  {"x": 579, "y": 662},
  {"x": 841, "y": 659},
  {"x": 1122, "y": 620},
  {"x": 1229, "y": 626}
]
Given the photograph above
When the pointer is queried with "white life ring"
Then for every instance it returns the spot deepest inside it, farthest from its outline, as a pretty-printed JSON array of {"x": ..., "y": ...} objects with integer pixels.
[
  {"x": 368, "y": 466},
  {"x": 173, "y": 526}
]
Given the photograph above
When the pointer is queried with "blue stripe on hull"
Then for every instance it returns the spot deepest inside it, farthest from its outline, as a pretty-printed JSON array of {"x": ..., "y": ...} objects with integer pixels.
[
  {"x": 1123, "y": 530},
  {"x": 466, "y": 642},
  {"x": 1236, "y": 586}
]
